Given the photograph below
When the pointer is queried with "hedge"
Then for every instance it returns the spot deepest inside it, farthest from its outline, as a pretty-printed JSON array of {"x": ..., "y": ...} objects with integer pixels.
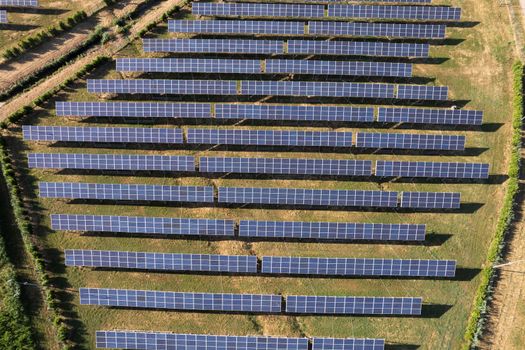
[{"x": 477, "y": 319}]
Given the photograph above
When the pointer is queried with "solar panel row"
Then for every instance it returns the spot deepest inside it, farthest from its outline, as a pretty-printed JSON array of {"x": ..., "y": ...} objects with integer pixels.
[
  {"x": 419, "y": 31},
  {"x": 269, "y": 66},
  {"x": 432, "y": 169},
  {"x": 142, "y": 225},
  {"x": 19, "y": 3},
  {"x": 371, "y": 1},
  {"x": 163, "y": 86},
  {"x": 3, "y": 17},
  {"x": 347, "y": 343},
  {"x": 410, "y": 141},
  {"x": 150, "y": 299},
  {"x": 269, "y": 112},
  {"x": 247, "y": 228},
  {"x": 301, "y": 47},
  {"x": 270, "y": 264},
  {"x": 434, "y": 13},
  {"x": 431, "y": 200}
]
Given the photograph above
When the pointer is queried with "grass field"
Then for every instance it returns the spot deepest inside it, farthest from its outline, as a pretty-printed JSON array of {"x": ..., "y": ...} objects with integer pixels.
[{"x": 478, "y": 69}]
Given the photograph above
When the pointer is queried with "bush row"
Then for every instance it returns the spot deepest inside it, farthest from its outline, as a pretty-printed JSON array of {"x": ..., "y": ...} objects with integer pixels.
[
  {"x": 34, "y": 40},
  {"x": 478, "y": 315}
]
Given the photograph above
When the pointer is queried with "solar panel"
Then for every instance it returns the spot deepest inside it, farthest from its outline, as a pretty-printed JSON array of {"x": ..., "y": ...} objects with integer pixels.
[
  {"x": 358, "y": 267},
  {"x": 142, "y": 225},
  {"x": 357, "y": 48},
  {"x": 332, "y": 230},
  {"x": 151, "y": 299},
  {"x": 214, "y": 46},
  {"x": 19, "y": 3},
  {"x": 89, "y": 134},
  {"x": 161, "y": 261},
  {"x": 429, "y": 13},
  {"x": 380, "y": 69},
  {"x": 111, "y": 162},
  {"x": 257, "y": 10},
  {"x": 293, "y": 166},
  {"x": 295, "y": 112},
  {"x": 188, "y": 65},
  {"x": 347, "y": 344},
  {"x": 75, "y": 190},
  {"x": 389, "y": 30},
  {"x": 410, "y": 141},
  {"x": 3, "y": 17},
  {"x": 236, "y": 27},
  {"x": 299, "y": 196},
  {"x": 170, "y": 341},
  {"x": 431, "y": 200},
  {"x": 432, "y": 169},
  {"x": 314, "y": 88},
  {"x": 372, "y": 1},
  {"x": 269, "y": 138},
  {"x": 430, "y": 116},
  {"x": 332, "y": 305},
  {"x": 422, "y": 92},
  {"x": 134, "y": 109},
  {"x": 163, "y": 86}
]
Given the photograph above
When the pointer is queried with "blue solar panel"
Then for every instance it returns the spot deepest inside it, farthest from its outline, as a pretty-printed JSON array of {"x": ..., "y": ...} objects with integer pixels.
[
  {"x": 285, "y": 166},
  {"x": 381, "y": 69},
  {"x": 347, "y": 344},
  {"x": 357, "y": 48},
  {"x": 269, "y": 138},
  {"x": 295, "y": 112},
  {"x": 3, "y": 17},
  {"x": 430, "y": 13},
  {"x": 151, "y": 299},
  {"x": 170, "y": 341},
  {"x": 313, "y": 88},
  {"x": 422, "y": 92},
  {"x": 236, "y": 27},
  {"x": 162, "y": 86},
  {"x": 19, "y": 3},
  {"x": 332, "y": 230},
  {"x": 410, "y": 141},
  {"x": 75, "y": 190},
  {"x": 214, "y": 46},
  {"x": 88, "y": 134},
  {"x": 432, "y": 169},
  {"x": 257, "y": 10},
  {"x": 142, "y": 225},
  {"x": 134, "y": 109},
  {"x": 394, "y": 30},
  {"x": 431, "y": 200},
  {"x": 161, "y": 261},
  {"x": 299, "y": 304},
  {"x": 430, "y": 116},
  {"x": 299, "y": 196},
  {"x": 358, "y": 267},
  {"x": 188, "y": 65},
  {"x": 111, "y": 162}
]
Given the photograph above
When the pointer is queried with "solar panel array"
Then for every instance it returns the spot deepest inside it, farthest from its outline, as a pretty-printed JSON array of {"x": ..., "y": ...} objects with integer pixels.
[
  {"x": 358, "y": 267},
  {"x": 410, "y": 141},
  {"x": 150, "y": 299},
  {"x": 161, "y": 261},
  {"x": 3, "y": 17},
  {"x": 214, "y": 46},
  {"x": 432, "y": 169},
  {"x": 321, "y": 28},
  {"x": 134, "y": 109},
  {"x": 111, "y": 161},
  {"x": 331, "y": 230},
  {"x": 90, "y": 134},
  {"x": 430, "y": 116},
  {"x": 299, "y": 196},
  {"x": 163, "y": 341},
  {"x": 162, "y": 86},
  {"x": 285, "y": 166},
  {"x": 269, "y": 137},
  {"x": 435, "y": 13},
  {"x": 300, "y": 304},
  {"x": 431, "y": 200},
  {"x": 269, "y": 66},
  {"x": 142, "y": 225},
  {"x": 129, "y": 192},
  {"x": 19, "y": 3},
  {"x": 294, "y": 112},
  {"x": 358, "y": 48},
  {"x": 347, "y": 343}
]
